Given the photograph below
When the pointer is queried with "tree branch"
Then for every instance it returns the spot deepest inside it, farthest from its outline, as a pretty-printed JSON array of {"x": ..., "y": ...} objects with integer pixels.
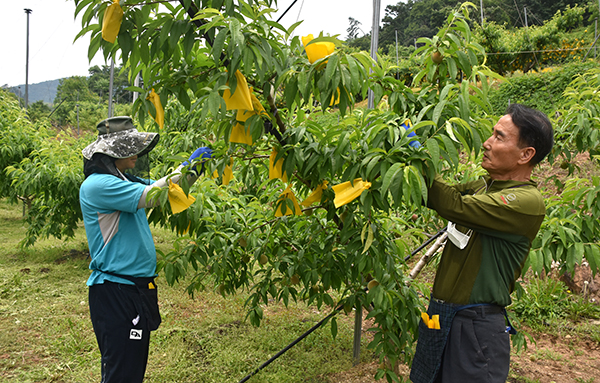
[{"x": 278, "y": 119}]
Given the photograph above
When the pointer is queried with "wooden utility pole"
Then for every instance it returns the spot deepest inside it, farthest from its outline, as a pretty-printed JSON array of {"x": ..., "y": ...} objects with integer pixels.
[{"x": 28, "y": 11}]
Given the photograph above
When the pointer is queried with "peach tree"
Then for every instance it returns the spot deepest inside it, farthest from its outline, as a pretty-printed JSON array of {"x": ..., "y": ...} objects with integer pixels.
[{"x": 306, "y": 197}]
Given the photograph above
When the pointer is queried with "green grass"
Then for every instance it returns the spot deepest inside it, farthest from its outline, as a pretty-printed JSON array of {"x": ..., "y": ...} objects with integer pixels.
[{"x": 46, "y": 334}]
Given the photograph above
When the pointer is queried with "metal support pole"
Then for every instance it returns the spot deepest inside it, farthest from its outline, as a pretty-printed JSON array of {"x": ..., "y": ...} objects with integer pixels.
[
  {"x": 370, "y": 105},
  {"x": 481, "y": 6},
  {"x": 28, "y": 12},
  {"x": 77, "y": 105},
  {"x": 136, "y": 82},
  {"x": 374, "y": 44},
  {"x": 595, "y": 35},
  {"x": 525, "y": 10},
  {"x": 110, "y": 88},
  {"x": 397, "y": 60},
  {"x": 357, "y": 335}
]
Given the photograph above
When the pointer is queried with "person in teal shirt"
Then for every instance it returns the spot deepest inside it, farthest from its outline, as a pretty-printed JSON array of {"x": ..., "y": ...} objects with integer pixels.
[{"x": 123, "y": 298}]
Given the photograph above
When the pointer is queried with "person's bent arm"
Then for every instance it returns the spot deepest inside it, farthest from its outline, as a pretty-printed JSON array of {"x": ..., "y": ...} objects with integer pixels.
[{"x": 203, "y": 153}]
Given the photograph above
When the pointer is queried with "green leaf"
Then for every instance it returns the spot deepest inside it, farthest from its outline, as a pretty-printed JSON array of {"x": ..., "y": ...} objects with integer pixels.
[
  {"x": 206, "y": 13},
  {"x": 184, "y": 98},
  {"x": 291, "y": 91},
  {"x": 81, "y": 5},
  {"x": 218, "y": 44},
  {"x": 334, "y": 327},
  {"x": 237, "y": 38},
  {"x": 465, "y": 65},
  {"x": 369, "y": 238},
  {"x": 94, "y": 46},
  {"x": 391, "y": 173},
  {"x": 571, "y": 259},
  {"x": 439, "y": 108},
  {"x": 330, "y": 39},
  {"x": 188, "y": 41},
  {"x": 418, "y": 183},
  {"x": 332, "y": 65},
  {"x": 450, "y": 131},
  {"x": 434, "y": 150},
  {"x": 450, "y": 149},
  {"x": 593, "y": 257},
  {"x": 354, "y": 72},
  {"x": 125, "y": 42}
]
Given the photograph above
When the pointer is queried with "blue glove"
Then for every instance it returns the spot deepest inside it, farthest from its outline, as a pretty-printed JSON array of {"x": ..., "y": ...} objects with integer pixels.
[
  {"x": 414, "y": 143},
  {"x": 202, "y": 152}
]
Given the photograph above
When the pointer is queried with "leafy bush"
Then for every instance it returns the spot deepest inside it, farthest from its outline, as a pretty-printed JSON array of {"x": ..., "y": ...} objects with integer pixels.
[
  {"x": 545, "y": 299},
  {"x": 542, "y": 90},
  {"x": 19, "y": 137},
  {"x": 579, "y": 122},
  {"x": 524, "y": 49},
  {"x": 50, "y": 176},
  {"x": 570, "y": 230}
]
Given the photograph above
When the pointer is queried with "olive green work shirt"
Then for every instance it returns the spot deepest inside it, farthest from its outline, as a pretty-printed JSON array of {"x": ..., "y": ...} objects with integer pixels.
[{"x": 504, "y": 217}]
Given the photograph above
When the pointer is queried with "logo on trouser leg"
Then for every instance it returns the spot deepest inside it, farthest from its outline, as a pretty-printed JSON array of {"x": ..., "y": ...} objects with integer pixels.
[{"x": 135, "y": 334}]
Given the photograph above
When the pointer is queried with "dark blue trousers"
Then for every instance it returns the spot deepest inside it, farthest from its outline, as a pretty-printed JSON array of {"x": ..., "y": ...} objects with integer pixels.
[{"x": 122, "y": 333}]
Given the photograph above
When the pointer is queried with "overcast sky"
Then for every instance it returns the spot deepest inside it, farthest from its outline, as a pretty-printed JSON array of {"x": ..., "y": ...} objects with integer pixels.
[{"x": 52, "y": 29}]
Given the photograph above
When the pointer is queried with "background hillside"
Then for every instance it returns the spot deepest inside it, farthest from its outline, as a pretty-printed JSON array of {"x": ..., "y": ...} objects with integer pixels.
[{"x": 43, "y": 91}]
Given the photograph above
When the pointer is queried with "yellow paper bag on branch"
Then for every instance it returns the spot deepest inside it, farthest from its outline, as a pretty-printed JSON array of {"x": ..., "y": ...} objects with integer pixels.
[
  {"x": 317, "y": 51},
  {"x": 111, "y": 24},
  {"x": 316, "y": 195},
  {"x": 160, "y": 112},
  {"x": 275, "y": 169},
  {"x": 240, "y": 99},
  {"x": 347, "y": 192},
  {"x": 227, "y": 173},
  {"x": 287, "y": 194},
  {"x": 178, "y": 199}
]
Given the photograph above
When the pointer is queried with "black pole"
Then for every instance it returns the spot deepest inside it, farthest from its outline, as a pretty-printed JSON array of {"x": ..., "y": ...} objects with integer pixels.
[
  {"x": 286, "y": 11},
  {"x": 433, "y": 238},
  {"x": 64, "y": 99},
  {"x": 313, "y": 328}
]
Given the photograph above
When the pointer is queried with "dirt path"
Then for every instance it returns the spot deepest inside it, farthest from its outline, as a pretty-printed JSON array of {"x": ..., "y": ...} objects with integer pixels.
[
  {"x": 551, "y": 360},
  {"x": 558, "y": 359}
]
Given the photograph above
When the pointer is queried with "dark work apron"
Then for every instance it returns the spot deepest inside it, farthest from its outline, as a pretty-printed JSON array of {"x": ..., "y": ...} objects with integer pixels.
[
  {"x": 432, "y": 342},
  {"x": 147, "y": 305}
]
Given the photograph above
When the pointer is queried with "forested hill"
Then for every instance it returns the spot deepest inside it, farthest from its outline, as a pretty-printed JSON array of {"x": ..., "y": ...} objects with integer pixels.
[
  {"x": 44, "y": 91},
  {"x": 423, "y": 18}
]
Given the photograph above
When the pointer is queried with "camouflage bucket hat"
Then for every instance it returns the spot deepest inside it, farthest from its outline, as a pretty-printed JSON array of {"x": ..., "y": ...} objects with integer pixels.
[{"x": 118, "y": 138}]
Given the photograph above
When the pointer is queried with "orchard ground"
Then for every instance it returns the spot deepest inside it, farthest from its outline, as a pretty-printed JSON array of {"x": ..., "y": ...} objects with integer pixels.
[{"x": 46, "y": 335}]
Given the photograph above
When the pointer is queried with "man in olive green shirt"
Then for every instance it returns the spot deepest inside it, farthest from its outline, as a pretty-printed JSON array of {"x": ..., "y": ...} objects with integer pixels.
[{"x": 499, "y": 216}]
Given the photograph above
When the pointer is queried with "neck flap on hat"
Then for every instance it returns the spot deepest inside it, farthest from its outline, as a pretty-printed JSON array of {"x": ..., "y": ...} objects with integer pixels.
[{"x": 104, "y": 164}]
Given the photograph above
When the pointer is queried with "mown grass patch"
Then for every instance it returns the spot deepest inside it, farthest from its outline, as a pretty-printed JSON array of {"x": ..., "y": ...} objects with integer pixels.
[{"x": 46, "y": 334}]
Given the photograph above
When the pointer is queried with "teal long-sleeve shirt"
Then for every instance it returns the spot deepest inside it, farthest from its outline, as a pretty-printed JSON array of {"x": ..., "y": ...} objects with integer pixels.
[{"x": 504, "y": 217}]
